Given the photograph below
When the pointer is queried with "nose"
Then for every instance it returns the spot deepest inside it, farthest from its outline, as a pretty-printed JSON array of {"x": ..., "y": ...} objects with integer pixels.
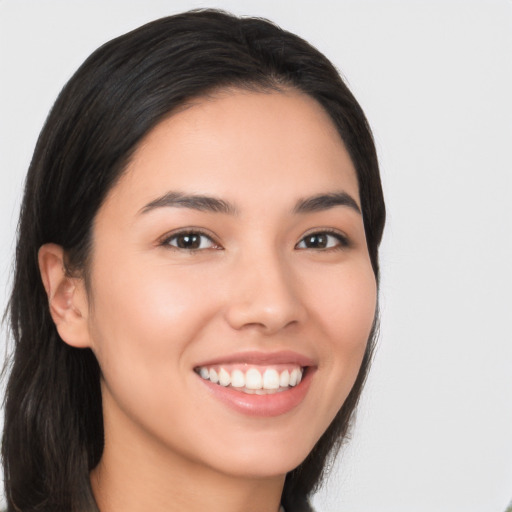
[{"x": 264, "y": 295}]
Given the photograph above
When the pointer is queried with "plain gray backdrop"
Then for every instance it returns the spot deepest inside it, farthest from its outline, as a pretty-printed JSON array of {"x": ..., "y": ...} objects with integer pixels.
[{"x": 434, "y": 430}]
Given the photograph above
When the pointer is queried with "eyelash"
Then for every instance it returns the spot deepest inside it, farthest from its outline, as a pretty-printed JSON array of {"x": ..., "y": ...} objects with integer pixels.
[
  {"x": 342, "y": 240},
  {"x": 166, "y": 241}
]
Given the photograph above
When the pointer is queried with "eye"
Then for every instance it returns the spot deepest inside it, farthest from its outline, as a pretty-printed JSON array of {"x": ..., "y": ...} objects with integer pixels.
[
  {"x": 190, "y": 241},
  {"x": 323, "y": 240}
]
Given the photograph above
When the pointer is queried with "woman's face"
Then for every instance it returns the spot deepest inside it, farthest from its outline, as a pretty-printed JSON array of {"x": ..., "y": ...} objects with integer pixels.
[{"x": 233, "y": 249}]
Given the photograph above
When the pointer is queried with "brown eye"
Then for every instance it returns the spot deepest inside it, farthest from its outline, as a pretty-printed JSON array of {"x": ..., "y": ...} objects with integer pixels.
[
  {"x": 322, "y": 240},
  {"x": 190, "y": 241}
]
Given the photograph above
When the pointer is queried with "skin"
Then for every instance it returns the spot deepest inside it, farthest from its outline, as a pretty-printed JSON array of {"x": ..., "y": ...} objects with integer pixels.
[{"x": 153, "y": 312}]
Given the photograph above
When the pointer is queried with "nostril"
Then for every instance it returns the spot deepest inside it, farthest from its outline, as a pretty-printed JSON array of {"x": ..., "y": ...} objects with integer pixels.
[{"x": 268, "y": 318}]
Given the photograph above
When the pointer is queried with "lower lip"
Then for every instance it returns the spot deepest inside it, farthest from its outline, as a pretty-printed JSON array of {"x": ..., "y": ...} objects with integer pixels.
[{"x": 273, "y": 404}]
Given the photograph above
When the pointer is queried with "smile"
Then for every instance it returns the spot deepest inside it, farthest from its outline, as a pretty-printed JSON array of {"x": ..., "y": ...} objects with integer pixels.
[
  {"x": 258, "y": 383},
  {"x": 259, "y": 380}
]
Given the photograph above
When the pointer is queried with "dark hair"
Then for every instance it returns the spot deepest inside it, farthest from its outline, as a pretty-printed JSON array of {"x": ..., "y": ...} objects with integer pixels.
[{"x": 53, "y": 432}]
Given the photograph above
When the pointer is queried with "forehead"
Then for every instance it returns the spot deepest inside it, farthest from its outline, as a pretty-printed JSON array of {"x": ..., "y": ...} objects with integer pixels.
[{"x": 240, "y": 140}]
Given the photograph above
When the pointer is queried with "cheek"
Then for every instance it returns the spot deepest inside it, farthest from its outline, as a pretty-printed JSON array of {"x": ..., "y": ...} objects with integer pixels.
[
  {"x": 142, "y": 321},
  {"x": 345, "y": 302},
  {"x": 143, "y": 326},
  {"x": 345, "y": 312}
]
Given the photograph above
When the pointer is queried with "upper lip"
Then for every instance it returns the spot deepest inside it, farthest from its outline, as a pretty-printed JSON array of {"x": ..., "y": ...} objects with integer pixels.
[{"x": 261, "y": 358}]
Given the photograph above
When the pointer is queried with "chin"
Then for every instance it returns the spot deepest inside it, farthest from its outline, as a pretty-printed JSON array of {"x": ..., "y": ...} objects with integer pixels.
[{"x": 260, "y": 460}]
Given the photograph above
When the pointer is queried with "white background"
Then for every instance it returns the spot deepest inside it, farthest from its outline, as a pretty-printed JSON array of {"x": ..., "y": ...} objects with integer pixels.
[{"x": 434, "y": 432}]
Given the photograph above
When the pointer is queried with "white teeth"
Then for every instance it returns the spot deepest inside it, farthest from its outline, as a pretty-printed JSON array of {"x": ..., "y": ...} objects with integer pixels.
[
  {"x": 237, "y": 379},
  {"x": 253, "y": 382},
  {"x": 293, "y": 377},
  {"x": 271, "y": 379},
  {"x": 253, "y": 379},
  {"x": 224, "y": 377},
  {"x": 213, "y": 376}
]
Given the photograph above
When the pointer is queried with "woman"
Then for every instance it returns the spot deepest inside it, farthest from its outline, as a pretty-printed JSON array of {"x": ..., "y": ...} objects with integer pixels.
[{"x": 195, "y": 294}]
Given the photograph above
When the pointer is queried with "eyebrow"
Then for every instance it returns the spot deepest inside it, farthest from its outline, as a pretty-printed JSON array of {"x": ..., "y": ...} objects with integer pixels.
[
  {"x": 204, "y": 203},
  {"x": 195, "y": 202},
  {"x": 322, "y": 202}
]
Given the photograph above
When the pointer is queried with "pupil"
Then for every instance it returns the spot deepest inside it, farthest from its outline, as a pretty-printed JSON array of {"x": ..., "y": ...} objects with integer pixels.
[
  {"x": 316, "y": 241},
  {"x": 189, "y": 241}
]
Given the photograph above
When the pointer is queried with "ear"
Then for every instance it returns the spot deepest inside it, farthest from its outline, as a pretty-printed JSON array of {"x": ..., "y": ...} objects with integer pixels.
[{"x": 67, "y": 297}]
